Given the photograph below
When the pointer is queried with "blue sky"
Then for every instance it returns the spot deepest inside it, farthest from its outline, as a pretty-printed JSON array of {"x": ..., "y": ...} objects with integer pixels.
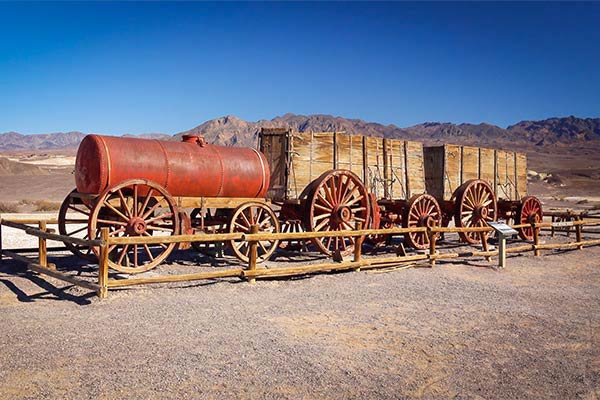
[{"x": 166, "y": 67}]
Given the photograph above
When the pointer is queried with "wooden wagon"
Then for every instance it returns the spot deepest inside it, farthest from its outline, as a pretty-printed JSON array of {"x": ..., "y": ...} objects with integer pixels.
[
  {"x": 330, "y": 181},
  {"x": 475, "y": 185}
]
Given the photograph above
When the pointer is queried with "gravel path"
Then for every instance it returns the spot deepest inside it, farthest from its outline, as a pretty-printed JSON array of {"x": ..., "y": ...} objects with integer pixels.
[{"x": 459, "y": 330}]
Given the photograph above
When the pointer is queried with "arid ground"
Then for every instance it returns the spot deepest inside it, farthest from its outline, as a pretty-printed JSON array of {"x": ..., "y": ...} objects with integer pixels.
[{"x": 463, "y": 329}]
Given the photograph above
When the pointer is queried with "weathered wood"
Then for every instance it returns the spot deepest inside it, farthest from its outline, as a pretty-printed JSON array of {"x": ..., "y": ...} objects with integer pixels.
[
  {"x": 103, "y": 265},
  {"x": 432, "y": 239},
  {"x": 578, "y": 235},
  {"x": 42, "y": 250},
  {"x": 175, "y": 278},
  {"x": 321, "y": 234},
  {"x": 50, "y": 236},
  {"x": 348, "y": 265},
  {"x": 358, "y": 244},
  {"x": 63, "y": 277},
  {"x": 548, "y": 246},
  {"x": 253, "y": 248},
  {"x": 449, "y": 166},
  {"x": 441, "y": 229},
  {"x": 30, "y": 221},
  {"x": 536, "y": 239},
  {"x": 208, "y": 237}
]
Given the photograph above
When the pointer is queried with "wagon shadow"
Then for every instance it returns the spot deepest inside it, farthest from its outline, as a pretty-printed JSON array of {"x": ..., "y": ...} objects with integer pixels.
[{"x": 51, "y": 292}]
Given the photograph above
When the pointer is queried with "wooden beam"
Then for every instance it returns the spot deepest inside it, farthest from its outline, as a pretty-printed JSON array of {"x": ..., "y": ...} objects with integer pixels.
[
  {"x": 212, "y": 237},
  {"x": 103, "y": 265},
  {"x": 175, "y": 278},
  {"x": 253, "y": 248}
]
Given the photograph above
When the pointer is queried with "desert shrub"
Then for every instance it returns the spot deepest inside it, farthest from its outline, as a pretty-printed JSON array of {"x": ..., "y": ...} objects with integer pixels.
[
  {"x": 44, "y": 205},
  {"x": 8, "y": 208}
]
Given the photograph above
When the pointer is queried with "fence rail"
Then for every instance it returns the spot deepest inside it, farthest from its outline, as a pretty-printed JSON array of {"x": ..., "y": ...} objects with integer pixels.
[{"x": 252, "y": 271}]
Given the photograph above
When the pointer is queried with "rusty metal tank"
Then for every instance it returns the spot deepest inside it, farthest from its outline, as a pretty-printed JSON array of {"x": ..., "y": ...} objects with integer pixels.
[{"x": 190, "y": 168}]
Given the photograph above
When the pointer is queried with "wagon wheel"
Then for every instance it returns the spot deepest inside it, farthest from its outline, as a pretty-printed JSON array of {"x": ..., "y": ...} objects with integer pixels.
[
  {"x": 422, "y": 210},
  {"x": 210, "y": 249},
  {"x": 292, "y": 226},
  {"x": 246, "y": 215},
  {"x": 475, "y": 205},
  {"x": 529, "y": 212},
  {"x": 130, "y": 209},
  {"x": 336, "y": 202},
  {"x": 72, "y": 226}
]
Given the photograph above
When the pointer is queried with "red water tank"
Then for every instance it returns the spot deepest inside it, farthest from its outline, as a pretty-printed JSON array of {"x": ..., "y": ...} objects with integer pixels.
[{"x": 191, "y": 168}]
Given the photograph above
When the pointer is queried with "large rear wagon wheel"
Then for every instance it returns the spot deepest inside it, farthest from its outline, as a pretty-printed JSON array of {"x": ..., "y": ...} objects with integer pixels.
[
  {"x": 242, "y": 219},
  {"x": 529, "y": 212},
  {"x": 475, "y": 206},
  {"x": 422, "y": 210},
  {"x": 336, "y": 202},
  {"x": 73, "y": 218},
  {"x": 132, "y": 208}
]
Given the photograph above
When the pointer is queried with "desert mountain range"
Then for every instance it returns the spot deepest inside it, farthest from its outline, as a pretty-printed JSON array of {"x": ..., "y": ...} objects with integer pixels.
[{"x": 230, "y": 130}]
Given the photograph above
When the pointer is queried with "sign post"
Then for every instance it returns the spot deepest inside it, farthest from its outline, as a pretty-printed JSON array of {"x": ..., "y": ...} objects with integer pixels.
[{"x": 503, "y": 232}]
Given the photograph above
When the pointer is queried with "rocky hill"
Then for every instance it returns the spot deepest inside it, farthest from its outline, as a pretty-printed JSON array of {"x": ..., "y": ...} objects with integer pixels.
[
  {"x": 45, "y": 141},
  {"x": 232, "y": 131},
  {"x": 558, "y": 130}
]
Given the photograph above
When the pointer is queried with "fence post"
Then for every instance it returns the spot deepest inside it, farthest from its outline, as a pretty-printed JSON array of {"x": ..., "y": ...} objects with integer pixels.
[
  {"x": 253, "y": 255},
  {"x": 552, "y": 228},
  {"x": 42, "y": 247},
  {"x": 0, "y": 241},
  {"x": 432, "y": 237},
  {"x": 358, "y": 244},
  {"x": 578, "y": 231},
  {"x": 536, "y": 239},
  {"x": 484, "y": 244},
  {"x": 103, "y": 265}
]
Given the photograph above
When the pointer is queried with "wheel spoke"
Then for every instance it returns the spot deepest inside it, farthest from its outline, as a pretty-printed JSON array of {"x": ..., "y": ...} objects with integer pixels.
[
  {"x": 119, "y": 213},
  {"x": 122, "y": 255},
  {"x": 124, "y": 203},
  {"x": 148, "y": 252},
  {"x": 78, "y": 209},
  {"x": 77, "y": 231},
  {"x": 159, "y": 217},
  {"x": 151, "y": 210},
  {"x": 159, "y": 228}
]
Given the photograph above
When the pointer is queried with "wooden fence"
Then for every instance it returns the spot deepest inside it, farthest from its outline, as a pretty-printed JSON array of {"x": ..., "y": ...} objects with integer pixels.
[{"x": 103, "y": 284}]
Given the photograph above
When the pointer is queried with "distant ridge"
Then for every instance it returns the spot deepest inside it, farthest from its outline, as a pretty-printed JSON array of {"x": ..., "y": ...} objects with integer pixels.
[{"x": 233, "y": 131}]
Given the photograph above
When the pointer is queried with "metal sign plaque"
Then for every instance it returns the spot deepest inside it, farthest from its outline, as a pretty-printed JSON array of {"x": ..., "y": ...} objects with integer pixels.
[{"x": 502, "y": 228}]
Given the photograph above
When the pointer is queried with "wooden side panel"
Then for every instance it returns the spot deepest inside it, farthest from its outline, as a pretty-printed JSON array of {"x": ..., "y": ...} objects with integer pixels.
[
  {"x": 521, "y": 175},
  {"x": 349, "y": 150},
  {"x": 470, "y": 163},
  {"x": 415, "y": 172},
  {"x": 503, "y": 170},
  {"x": 452, "y": 169},
  {"x": 511, "y": 176},
  {"x": 434, "y": 170},
  {"x": 300, "y": 168},
  {"x": 487, "y": 166},
  {"x": 274, "y": 147},
  {"x": 395, "y": 169},
  {"x": 374, "y": 166},
  {"x": 311, "y": 155}
]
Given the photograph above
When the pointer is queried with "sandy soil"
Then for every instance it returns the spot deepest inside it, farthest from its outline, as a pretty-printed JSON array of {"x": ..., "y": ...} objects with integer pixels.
[{"x": 460, "y": 330}]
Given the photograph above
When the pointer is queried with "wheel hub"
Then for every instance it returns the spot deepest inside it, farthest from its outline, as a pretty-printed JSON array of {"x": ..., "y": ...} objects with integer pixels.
[
  {"x": 136, "y": 226},
  {"x": 534, "y": 218},
  {"x": 480, "y": 213},
  {"x": 342, "y": 214}
]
